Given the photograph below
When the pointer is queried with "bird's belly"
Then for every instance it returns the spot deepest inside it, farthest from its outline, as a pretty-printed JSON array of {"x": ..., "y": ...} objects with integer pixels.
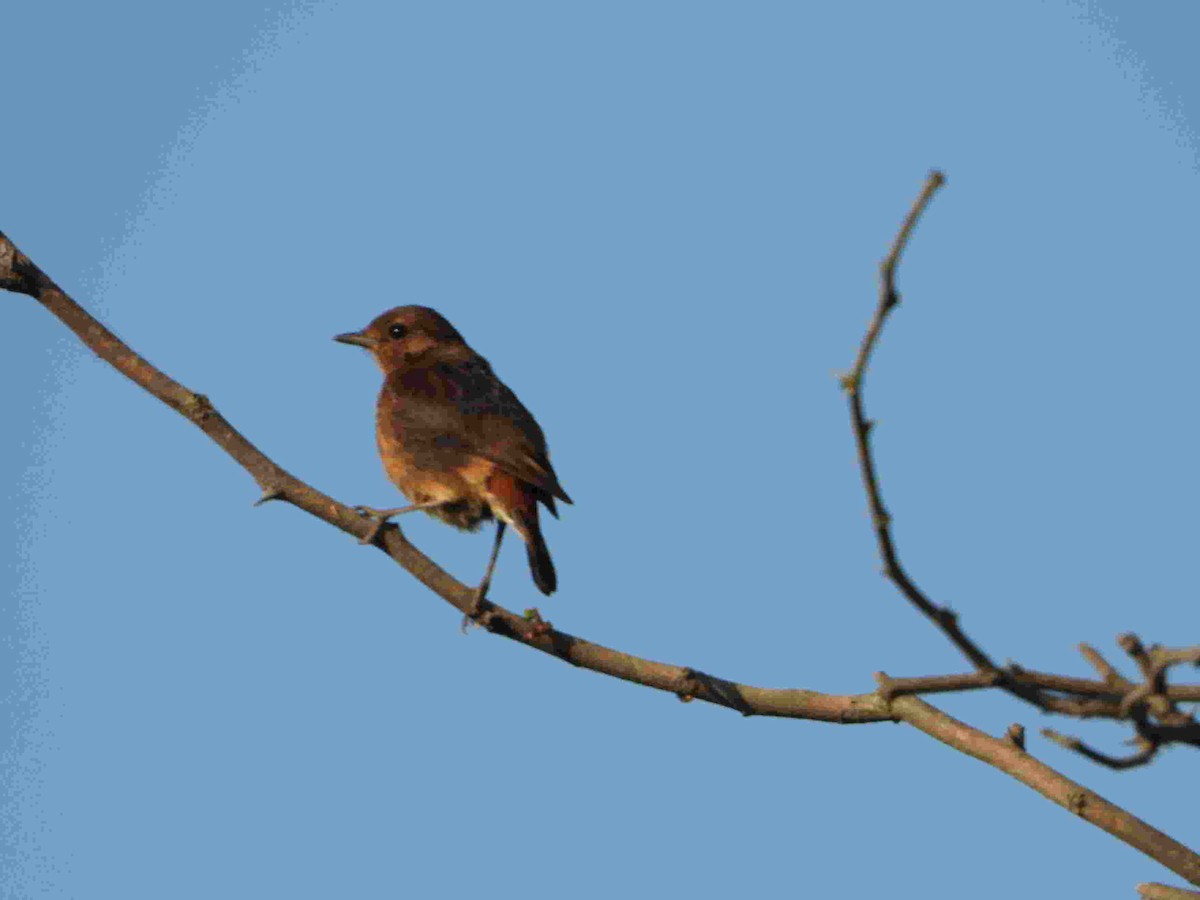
[{"x": 457, "y": 486}]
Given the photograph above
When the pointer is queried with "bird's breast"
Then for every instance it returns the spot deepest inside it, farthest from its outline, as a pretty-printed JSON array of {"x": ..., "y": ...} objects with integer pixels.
[{"x": 427, "y": 470}]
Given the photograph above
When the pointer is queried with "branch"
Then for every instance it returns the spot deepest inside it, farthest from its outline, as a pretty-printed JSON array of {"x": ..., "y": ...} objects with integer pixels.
[
  {"x": 1082, "y": 698},
  {"x": 943, "y": 617},
  {"x": 1114, "y": 697},
  {"x": 1104, "y": 668},
  {"x": 1151, "y": 696},
  {"x": 1150, "y": 891},
  {"x": 19, "y": 274},
  {"x": 1145, "y": 754},
  {"x": 937, "y": 684},
  {"x": 1054, "y": 786}
]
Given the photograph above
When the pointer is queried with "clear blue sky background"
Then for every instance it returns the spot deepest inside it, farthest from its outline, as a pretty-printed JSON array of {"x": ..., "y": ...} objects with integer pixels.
[{"x": 660, "y": 221}]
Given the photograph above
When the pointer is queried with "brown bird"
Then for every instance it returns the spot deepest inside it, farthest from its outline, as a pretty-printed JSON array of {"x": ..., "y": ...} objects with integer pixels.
[{"x": 454, "y": 439}]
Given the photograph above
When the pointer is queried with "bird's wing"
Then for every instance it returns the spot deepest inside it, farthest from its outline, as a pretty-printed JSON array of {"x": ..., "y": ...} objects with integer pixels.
[{"x": 463, "y": 406}]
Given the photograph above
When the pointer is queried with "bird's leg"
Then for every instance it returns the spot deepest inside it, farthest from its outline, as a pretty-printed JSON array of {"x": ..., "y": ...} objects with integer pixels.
[
  {"x": 481, "y": 591},
  {"x": 381, "y": 516}
]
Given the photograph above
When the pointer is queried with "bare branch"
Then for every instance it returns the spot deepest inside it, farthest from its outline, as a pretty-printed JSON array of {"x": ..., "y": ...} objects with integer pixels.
[
  {"x": 1132, "y": 645},
  {"x": 943, "y": 617},
  {"x": 18, "y": 273},
  {"x": 1052, "y": 785},
  {"x": 1165, "y": 657},
  {"x": 1150, "y": 891},
  {"x": 1080, "y": 698},
  {"x": 1114, "y": 697},
  {"x": 1101, "y": 665},
  {"x": 1145, "y": 754},
  {"x": 1152, "y": 695},
  {"x": 937, "y": 684}
]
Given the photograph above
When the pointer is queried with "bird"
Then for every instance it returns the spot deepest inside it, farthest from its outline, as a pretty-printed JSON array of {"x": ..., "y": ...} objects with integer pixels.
[{"x": 455, "y": 439}]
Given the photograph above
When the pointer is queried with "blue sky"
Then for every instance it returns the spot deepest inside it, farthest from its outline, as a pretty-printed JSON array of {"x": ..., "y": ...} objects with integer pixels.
[{"x": 660, "y": 221}]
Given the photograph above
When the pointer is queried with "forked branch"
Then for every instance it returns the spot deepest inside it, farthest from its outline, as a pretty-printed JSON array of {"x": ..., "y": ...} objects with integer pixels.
[
  {"x": 892, "y": 702},
  {"x": 1151, "y": 705}
]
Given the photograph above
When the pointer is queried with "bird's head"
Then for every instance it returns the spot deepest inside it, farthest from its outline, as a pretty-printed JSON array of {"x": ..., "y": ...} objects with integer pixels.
[{"x": 402, "y": 333}]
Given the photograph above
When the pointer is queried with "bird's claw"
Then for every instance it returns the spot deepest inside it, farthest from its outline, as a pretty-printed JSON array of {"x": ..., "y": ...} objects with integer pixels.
[
  {"x": 473, "y": 615},
  {"x": 379, "y": 518}
]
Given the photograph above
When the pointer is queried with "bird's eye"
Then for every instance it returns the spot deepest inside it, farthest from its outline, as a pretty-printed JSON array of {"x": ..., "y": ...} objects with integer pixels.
[{"x": 396, "y": 330}]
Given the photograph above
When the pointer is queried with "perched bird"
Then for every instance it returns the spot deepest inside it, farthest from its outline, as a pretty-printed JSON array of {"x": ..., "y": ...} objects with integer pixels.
[{"x": 454, "y": 439}]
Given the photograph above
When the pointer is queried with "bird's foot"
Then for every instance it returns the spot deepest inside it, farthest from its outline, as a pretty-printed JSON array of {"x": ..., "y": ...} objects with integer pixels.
[
  {"x": 381, "y": 516},
  {"x": 378, "y": 517},
  {"x": 479, "y": 606}
]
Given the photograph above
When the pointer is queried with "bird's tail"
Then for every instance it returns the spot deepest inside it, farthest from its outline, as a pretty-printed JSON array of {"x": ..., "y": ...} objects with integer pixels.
[
  {"x": 540, "y": 564},
  {"x": 517, "y": 504}
]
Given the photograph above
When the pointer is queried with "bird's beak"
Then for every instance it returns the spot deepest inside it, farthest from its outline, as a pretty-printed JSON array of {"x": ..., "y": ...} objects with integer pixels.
[{"x": 357, "y": 338}]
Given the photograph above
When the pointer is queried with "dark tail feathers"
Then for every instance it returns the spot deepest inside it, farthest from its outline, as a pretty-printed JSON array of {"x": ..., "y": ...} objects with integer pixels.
[{"x": 540, "y": 564}]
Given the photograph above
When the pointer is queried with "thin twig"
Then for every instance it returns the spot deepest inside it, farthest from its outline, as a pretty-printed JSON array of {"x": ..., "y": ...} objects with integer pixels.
[
  {"x": 1144, "y": 755},
  {"x": 937, "y": 684},
  {"x": 1166, "y": 657},
  {"x": 1077, "y": 697},
  {"x": 1103, "y": 667},
  {"x": 1132, "y": 645},
  {"x": 853, "y": 383}
]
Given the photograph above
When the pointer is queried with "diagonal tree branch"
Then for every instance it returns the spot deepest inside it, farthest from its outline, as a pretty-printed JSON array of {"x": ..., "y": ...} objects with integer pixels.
[
  {"x": 1051, "y": 784},
  {"x": 1150, "y": 891},
  {"x": 19, "y": 274}
]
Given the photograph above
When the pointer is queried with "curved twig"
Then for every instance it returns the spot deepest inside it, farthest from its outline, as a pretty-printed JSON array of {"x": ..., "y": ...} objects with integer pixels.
[
  {"x": 1114, "y": 697},
  {"x": 1144, "y": 755},
  {"x": 889, "y": 298}
]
